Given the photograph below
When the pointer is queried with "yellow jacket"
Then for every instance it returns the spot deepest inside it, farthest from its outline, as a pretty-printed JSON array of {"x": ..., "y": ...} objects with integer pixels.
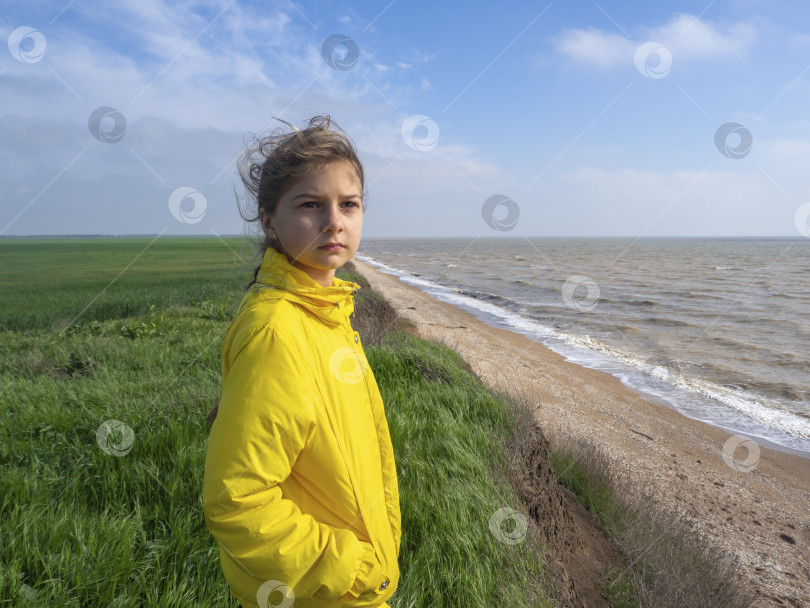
[{"x": 300, "y": 487}]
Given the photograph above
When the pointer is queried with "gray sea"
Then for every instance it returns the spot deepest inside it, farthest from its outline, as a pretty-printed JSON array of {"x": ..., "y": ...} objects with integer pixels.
[{"x": 718, "y": 329}]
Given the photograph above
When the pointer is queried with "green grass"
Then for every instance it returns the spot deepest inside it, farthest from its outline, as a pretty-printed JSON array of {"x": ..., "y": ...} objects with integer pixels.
[
  {"x": 448, "y": 432},
  {"x": 81, "y": 527}
]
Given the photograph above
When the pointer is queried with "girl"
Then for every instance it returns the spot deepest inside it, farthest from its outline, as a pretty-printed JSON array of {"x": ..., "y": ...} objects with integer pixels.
[{"x": 300, "y": 486}]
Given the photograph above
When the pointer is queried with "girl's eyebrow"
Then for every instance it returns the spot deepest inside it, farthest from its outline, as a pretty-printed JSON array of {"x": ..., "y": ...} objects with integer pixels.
[{"x": 319, "y": 196}]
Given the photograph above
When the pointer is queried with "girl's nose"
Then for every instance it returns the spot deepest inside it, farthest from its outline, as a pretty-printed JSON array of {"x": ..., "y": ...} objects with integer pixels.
[{"x": 333, "y": 220}]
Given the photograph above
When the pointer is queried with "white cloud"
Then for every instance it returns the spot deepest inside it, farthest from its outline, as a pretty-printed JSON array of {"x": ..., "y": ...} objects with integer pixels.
[
  {"x": 687, "y": 37},
  {"x": 602, "y": 49}
]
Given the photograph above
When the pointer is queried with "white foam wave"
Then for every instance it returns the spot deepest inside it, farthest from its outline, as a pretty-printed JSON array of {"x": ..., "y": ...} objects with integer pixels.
[{"x": 777, "y": 416}]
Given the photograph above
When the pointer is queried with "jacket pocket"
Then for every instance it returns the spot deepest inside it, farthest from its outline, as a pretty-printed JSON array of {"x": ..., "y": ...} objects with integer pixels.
[{"x": 370, "y": 577}]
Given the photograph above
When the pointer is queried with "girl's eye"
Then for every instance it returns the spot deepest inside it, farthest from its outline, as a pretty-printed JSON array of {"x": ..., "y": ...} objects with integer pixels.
[{"x": 310, "y": 204}]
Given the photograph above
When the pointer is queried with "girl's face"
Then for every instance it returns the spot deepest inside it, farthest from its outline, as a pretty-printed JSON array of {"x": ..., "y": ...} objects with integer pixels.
[{"x": 319, "y": 220}]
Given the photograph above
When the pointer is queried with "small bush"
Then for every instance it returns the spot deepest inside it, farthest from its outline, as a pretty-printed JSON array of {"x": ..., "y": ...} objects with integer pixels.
[
  {"x": 133, "y": 330},
  {"x": 216, "y": 311}
]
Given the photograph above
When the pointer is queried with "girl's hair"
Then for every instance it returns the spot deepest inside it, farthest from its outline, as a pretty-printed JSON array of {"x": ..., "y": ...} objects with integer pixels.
[{"x": 272, "y": 164}]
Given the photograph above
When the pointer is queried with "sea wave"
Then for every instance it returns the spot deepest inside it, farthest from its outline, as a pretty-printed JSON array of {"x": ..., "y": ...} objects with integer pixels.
[{"x": 781, "y": 421}]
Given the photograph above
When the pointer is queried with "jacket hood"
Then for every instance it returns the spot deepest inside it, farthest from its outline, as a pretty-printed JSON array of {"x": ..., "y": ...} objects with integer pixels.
[{"x": 278, "y": 278}]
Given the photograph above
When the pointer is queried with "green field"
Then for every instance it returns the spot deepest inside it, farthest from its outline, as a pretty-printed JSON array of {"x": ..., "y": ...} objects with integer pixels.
[
  {"x": 48, "y": 283},
  {"x": 95, "y": 330}
]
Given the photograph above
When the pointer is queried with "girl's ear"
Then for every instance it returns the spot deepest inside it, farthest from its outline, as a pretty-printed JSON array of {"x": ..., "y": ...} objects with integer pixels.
[{"x": 267, "y": 224}]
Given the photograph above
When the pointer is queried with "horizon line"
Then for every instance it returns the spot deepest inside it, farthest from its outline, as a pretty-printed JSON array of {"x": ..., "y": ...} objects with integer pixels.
[{"x": 628, "y": 236}]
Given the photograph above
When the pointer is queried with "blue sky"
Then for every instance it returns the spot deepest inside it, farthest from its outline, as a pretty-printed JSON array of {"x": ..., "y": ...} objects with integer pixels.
[{"x": 588, "y": 119}]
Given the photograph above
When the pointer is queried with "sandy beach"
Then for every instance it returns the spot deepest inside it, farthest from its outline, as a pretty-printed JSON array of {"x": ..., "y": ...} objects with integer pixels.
[{"x": 758, "y": 518}]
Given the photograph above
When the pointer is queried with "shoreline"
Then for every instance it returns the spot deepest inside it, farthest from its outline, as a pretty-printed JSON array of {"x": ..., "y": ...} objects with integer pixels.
[{"x": 756, "y": 516}]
